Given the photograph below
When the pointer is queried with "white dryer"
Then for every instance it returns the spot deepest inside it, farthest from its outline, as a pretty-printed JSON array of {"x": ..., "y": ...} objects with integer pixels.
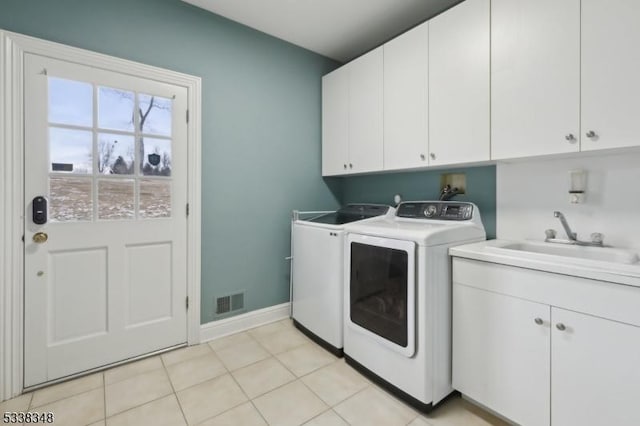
[
  {"x": 317, "y": 242},
  {"x": 397, "y": 299}
]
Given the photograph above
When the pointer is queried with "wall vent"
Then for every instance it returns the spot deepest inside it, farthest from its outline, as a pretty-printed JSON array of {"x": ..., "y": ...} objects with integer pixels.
[
  {"x": 223, "y": 305},
  {"x": 226, "y": 304}
]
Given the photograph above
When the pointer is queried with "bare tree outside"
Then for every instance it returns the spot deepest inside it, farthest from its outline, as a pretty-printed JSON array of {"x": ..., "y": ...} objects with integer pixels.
[
  {"x": 105, "y": 152},
  {"x": 143, "y": 119}
]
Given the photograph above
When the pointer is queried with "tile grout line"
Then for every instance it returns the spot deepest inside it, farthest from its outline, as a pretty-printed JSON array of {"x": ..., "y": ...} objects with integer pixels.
[
  {"x": 63, "y": 398},
  {"x": 142, "y": 404},
  {"x": 175, "y": 394},
  {"x": 214, "y": 378},
  {"x": 250, "y": 400},
  {"x": 104, "y": 397},
  {"x": 271, "y": 355},
  {"x": 296, "y": 378},
  {"x": 30, "y": 401},
  {"x": 311, "y": 372},
  {"x": 308, "y": 372},
  {"x": 134, "y": 374},
  {"x": 138, "y": 406}
]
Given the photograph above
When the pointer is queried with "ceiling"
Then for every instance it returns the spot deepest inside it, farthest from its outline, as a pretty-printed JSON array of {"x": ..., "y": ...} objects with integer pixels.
[{"x": 338, "y": 29}]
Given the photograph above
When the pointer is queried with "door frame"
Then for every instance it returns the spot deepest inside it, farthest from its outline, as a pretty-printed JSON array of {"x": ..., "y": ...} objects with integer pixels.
[{"x": 13, "y": 47}]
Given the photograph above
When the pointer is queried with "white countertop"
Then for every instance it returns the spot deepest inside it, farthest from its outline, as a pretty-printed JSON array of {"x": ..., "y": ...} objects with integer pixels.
[{"x": 492, "y": 251}]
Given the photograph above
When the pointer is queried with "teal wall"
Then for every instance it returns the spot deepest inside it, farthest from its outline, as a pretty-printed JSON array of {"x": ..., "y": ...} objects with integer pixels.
[
  {"x": 481, "y": 189},
  {"x": 261, "y": 147},
  {"x": 260, "y": 124}
]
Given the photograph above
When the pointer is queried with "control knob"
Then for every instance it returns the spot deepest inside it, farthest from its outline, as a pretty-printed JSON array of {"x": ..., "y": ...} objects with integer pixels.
[{"x": 430, "y": 211}]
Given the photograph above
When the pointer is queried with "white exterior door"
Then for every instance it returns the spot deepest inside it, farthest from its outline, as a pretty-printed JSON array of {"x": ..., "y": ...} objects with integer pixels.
[{"x": 108, "y": 152}]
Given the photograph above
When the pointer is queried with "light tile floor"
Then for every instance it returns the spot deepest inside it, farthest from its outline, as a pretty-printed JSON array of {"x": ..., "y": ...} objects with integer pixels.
[{"x": 270, "y": 375}]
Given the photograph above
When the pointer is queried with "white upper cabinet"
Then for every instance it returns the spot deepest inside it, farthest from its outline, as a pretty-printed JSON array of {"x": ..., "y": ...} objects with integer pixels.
[
  {"x": 535, "y": 77},
  {"x": 335, "y": 122},
  {"x": 489, "y": 80},
  {"x": 366, "y": 112},
  {"x": 406, "y": 99},
  {"x": 459, "y": 107},
  {"x": 610, "y": 73},
  {"x": 352, "y": 117}
]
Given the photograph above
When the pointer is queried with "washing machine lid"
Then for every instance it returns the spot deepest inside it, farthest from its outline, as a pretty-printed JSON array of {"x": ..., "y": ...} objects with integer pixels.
[
  {"x": 427, "y": 223},
  {"x": 350, "y": 213}
]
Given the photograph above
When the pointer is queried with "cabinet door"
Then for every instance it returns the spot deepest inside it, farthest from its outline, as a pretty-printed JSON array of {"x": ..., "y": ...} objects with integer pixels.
[
  {"x": 365, "y": 112},
  {"x": 335, "y": 122},
  {"x": 535, "y": 77},
  {"x": 501, "y": 355},
  {"x": 595, "y": 371},
  {"x": 459, "y": 78},
  {"x": 406, "y": 99},
  {"x": 610, "y": 70}
]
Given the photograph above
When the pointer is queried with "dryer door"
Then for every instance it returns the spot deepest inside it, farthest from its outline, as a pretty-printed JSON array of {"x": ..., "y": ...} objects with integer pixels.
[{"x": 380, "y": 290}]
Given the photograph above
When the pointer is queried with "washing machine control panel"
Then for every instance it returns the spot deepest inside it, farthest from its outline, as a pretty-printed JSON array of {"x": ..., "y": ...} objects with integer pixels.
[{"x": 435, "y": 210}]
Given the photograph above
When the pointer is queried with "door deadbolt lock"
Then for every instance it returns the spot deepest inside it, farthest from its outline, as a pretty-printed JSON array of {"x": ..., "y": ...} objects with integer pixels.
[
  {"x": 39, "y": 206},
  {"x": 40, "y": 237}
]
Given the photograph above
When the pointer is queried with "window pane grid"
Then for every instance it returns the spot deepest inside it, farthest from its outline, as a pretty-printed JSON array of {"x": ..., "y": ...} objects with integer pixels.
[{"x": 121, "y": 184}]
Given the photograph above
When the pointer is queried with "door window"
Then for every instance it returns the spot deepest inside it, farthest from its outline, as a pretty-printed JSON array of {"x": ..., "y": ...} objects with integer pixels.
[
  {"x": 378, "y": 291},
  {"x": 110, "y": 153}
]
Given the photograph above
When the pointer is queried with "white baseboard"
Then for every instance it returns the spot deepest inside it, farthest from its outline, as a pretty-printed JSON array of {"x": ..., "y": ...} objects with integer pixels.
[{"x": 215, "y": 329}]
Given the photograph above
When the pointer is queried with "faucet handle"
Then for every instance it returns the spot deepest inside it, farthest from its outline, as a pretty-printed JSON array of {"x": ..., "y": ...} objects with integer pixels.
[
  {"x": 550, "y": 234},
  {"x": 597, "y": 238}
]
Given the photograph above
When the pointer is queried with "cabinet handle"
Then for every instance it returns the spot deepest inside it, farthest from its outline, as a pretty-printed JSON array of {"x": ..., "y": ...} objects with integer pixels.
[
  {"x": 570, "y": 138},
  {"x": 591, "y": 134},
  {"x": 538, "y": 321},
  {"x": 350, "y": 166},
  {"x": 422, "y": 157},
  {"x": 433, "y": 156},
  {"x": 560, "y": 326},
  {"x": 344, "y": 165}
]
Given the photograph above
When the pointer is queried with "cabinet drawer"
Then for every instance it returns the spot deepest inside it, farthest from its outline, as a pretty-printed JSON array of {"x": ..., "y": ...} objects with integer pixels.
[{"x": 603, "y": 299}]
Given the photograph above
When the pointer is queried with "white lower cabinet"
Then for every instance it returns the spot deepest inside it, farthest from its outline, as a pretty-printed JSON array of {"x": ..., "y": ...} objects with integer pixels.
[
  {"x": 516, "y": 352},
  {"x": 501, "y": 355},
  {"x": 595, "y": 373}
]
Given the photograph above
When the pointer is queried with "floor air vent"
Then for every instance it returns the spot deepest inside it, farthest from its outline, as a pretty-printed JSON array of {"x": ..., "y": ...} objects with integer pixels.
[{"x": 226, "y": 304}]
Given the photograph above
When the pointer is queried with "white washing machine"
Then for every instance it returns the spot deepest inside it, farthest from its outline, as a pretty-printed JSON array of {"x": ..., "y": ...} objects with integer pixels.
[
  {"x": 317, "y": 242},
  {"x": 397, "y": 299}
]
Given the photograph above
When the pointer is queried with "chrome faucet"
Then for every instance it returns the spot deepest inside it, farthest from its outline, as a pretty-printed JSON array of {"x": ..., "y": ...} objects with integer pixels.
[
  {"x": 570, "y": 234},
  {"x": 596, "y": 237}
]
